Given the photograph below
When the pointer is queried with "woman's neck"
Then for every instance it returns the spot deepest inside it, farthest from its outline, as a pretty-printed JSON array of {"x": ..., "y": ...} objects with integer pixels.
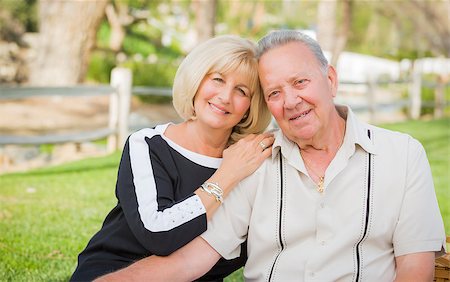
[{"x": 197, "y": 138}]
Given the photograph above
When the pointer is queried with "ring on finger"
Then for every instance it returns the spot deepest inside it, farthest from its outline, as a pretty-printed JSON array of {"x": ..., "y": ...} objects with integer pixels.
[{"x": 263, "y": 146}]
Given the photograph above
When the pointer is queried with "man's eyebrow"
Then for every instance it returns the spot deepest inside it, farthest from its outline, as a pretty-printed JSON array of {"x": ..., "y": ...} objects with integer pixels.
[
  {"x": 297, "y": 75},
  {"x": 269, "y": 89}
]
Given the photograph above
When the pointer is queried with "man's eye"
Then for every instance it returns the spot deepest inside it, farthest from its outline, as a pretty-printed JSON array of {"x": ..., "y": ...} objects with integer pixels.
[
  {"x": 273, "y": 94},
  {"x": 300, "y": 81}
]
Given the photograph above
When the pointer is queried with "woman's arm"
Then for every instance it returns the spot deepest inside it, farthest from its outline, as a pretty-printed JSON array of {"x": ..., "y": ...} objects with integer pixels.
[
  {"x": 186, "y": 264},
  {"x": 146, "y": 192},
  {"x": 147, "y": 183}
]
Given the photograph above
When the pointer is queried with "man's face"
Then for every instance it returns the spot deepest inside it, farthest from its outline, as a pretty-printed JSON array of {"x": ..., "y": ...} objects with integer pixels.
[{"x": 298, "y": 93}]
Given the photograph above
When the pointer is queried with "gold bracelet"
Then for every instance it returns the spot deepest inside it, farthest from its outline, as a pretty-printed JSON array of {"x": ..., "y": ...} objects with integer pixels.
[{"x": 214, "y": 190}]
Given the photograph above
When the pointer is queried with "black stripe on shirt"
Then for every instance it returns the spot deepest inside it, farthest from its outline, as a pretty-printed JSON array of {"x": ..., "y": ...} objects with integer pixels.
[
  {"x": 280, "y": 218},
  {"x": 366, "y": 222}
]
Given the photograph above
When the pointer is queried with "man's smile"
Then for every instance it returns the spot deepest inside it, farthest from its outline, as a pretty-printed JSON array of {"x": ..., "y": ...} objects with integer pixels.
[{"x": 301, "y": 115}]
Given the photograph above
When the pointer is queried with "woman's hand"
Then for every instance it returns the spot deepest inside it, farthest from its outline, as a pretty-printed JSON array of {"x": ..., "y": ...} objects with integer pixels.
[
  {"x": 239, "y": 161},
  {"x": 242, "y": 159}
]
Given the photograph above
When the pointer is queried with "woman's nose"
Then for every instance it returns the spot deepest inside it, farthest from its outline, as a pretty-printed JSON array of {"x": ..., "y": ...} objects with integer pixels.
[{"x": 225, "y": 94}]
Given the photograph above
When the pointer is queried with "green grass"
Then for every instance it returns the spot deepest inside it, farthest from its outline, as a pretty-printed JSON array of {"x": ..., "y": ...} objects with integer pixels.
[
  {"x": 435, "y": 137},
  {"x": 48, "y": 215}
]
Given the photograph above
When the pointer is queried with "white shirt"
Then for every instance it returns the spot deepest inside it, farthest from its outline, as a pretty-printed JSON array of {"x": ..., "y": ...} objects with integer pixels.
[{"x": 379, "y": 203}]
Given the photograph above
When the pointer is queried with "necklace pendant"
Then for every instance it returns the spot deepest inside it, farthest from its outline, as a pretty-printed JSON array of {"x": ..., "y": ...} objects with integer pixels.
[{"x": 320, "y": 186}]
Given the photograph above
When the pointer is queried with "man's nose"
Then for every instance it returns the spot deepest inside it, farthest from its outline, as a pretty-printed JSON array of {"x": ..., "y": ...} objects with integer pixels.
[{"x": 292, "y": 99}]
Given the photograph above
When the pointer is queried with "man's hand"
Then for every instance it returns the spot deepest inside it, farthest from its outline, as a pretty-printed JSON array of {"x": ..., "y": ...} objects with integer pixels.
[
  {"x": 186, "y": 264},
  {"x": 415, "y": 267}
]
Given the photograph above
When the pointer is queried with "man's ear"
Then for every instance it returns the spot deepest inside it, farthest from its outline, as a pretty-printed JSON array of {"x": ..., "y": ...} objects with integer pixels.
[{"x": 332, "y": 79}]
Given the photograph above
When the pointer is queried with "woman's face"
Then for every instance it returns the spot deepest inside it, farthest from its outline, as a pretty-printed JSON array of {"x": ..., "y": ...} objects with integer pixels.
[{"x": 222, "y": 100}]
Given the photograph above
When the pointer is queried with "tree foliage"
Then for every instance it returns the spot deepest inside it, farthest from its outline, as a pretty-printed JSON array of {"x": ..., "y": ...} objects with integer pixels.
[
  {"x": 151, "y": 32},
  {"x": 17, "y": 17},
  {"x": 401, "y": 29}
]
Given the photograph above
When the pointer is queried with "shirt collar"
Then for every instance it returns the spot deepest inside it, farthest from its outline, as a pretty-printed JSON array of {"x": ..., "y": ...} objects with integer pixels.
[
  {"x": 355, "y": 133},
  {"x": 283, "y": 144}
]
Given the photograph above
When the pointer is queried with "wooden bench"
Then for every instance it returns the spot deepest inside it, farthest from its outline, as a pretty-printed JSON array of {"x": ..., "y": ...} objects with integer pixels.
[{"x": 442, "y": 267}]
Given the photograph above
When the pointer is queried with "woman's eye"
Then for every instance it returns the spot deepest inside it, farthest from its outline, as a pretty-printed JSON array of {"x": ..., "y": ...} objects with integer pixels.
[
  {"x": 242, "y": 91},
  {"x": 218, "y": 79}
]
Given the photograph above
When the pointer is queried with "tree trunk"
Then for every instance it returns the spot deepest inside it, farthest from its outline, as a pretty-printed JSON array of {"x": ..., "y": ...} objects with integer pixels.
[
  {"x": 326, "y": 24},
  {"x": 117, "y": 31},
  {"x": 342, "y": 37},
  {"x": 205, "y": 19},
  {"x": 258, "y": 17},
  {"x": 67, "y": 31},
  {"x": 329, "y": 36}
]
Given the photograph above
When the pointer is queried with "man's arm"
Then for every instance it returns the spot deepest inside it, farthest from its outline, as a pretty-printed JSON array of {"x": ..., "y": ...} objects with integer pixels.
[
  {"x": 415, "y": 267},
  {"x": 186, "y": 264}
]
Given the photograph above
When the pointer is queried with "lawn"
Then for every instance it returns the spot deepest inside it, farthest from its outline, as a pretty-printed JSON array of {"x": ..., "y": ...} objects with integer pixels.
[{"x": 48, "y": 215}]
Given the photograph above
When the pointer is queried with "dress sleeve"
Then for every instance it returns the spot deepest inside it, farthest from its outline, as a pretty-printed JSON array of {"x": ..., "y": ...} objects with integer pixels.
[
  {"x": 420, "y": 227},
  {"x": 146, "y": 195}
]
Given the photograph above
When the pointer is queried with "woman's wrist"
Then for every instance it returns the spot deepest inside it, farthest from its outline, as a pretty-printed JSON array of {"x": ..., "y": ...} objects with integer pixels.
[
  {"x": 225, "y": 183},
  {"x": 214, "y": 190}
]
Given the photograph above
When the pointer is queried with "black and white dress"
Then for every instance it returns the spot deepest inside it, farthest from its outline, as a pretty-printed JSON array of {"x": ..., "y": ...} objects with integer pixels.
[{"x": 157, "y": 211}]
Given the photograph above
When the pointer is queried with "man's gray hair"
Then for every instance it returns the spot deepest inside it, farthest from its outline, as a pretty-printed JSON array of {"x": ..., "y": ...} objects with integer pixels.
[{"x": 281, "y": 37}]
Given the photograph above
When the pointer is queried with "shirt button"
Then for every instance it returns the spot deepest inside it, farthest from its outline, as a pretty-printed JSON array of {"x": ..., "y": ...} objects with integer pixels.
[
  {"x": 322, "y": 243},
  {"x": 322, "y": 205},
  {"x": 312, "y": 274}
]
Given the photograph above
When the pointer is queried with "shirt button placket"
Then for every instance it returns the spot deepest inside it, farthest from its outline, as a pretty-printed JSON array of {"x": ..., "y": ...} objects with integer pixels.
[{"x": 309, "y": 275}]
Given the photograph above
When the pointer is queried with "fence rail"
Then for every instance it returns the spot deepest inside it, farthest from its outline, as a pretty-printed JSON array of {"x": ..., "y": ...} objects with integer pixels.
[
  {"x": 57, "y": 138},
  {"x": 121, "y": 89},
  {"x": 12, "y": 93},
  {"x": 80, "y": 90}
]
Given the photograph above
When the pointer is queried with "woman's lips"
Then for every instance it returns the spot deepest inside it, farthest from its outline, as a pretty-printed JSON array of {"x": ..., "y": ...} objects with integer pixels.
[{"x": 219, "y": 109}]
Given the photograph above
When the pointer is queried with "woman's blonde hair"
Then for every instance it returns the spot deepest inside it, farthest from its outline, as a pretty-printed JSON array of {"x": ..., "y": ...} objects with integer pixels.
[{"x": 222, "y": 54}]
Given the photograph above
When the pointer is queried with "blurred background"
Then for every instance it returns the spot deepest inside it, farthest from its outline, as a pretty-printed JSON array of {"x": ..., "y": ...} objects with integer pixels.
[
  {"x": 51, "y": 42},
  {"x": 392, "y": 59},
  {"x": 77, "y": 76}
]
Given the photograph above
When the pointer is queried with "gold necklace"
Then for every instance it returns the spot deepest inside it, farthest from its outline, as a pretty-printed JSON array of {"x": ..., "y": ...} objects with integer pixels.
[{"x": 321, "y": 182}]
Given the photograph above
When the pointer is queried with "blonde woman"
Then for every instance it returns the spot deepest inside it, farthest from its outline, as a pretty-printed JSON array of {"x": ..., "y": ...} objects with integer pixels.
[{"x": 173, "y": 177}]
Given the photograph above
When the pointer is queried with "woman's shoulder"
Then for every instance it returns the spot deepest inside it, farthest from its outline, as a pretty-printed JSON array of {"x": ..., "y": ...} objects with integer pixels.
[
  {"x": 149, "y": 132},
  {"x": 147, "y": 138}
]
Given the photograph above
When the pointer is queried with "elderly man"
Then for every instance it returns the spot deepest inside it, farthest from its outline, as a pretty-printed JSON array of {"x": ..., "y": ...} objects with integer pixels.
[{"x": 338, "y": 200}]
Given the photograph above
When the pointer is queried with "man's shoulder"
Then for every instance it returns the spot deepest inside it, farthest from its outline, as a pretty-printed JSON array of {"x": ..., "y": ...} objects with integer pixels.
[
  {"x": 388, "y": 133},
  {"x": 386, "y": 139}
]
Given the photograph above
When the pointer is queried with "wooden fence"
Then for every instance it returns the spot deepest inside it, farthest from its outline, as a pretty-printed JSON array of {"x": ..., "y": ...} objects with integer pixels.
[
  {"x": 121, "y": 89},
  {"x": 119, "y": 92}
]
